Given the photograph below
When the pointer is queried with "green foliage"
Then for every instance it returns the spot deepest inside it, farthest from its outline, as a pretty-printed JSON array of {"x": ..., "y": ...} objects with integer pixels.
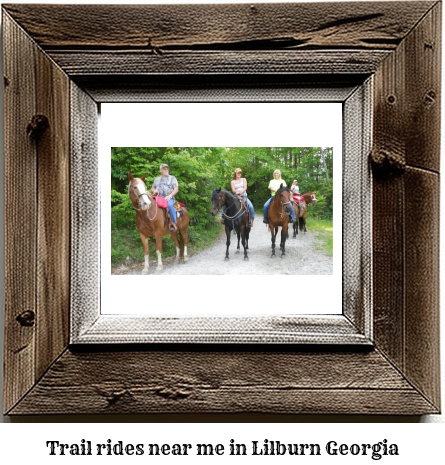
[
  {"x": 323, "y": 230},
  {"x": 200, "y": 169}
]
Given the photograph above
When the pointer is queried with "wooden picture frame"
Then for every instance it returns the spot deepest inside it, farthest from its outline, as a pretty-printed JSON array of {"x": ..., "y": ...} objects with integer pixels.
[{"x": 56, "y": 72}]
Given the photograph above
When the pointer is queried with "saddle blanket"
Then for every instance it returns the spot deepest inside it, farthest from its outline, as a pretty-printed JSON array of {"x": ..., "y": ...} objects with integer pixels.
[
  {"x": 298, "y": 198},
  {"x": 162, "y": 203}
]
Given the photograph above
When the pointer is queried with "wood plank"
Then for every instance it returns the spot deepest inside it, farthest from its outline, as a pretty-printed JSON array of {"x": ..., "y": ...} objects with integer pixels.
[
  {"x": 53, "y": 202},
  {"x": 422, "y": 281},
  {"x": 20, "y": 213},
  {"x": 423, "y": 90},
  {"x": 351, "y": 24},
  {"x": 223, "y": 382},
  {"x": 85, "y": 205},
  {"x": 78, "y": 62}
]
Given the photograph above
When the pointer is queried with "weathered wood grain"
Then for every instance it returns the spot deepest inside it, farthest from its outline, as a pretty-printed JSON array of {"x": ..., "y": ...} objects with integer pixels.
[
  {"x": 422, "y": 364},
  {"x": 153, "y": 27},
  {"x": 53, "y": 207},
  {"x": 406, "y": 133},
  {"x": 128, "y": 63},
  {"x": 85, "y": 210},
  {"x": 221, "y": 382},
  {"x": 20, "y": 213},
  {"x": 423, "y": 92}
]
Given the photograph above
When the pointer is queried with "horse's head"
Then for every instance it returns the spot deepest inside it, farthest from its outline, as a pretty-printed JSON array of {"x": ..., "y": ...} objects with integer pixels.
[
  {"x": 284, "y": 195},
  {"x": 310, "y": 198},
  {"x": 217, "y": 201},
  {"x": 139, "y": 195}
]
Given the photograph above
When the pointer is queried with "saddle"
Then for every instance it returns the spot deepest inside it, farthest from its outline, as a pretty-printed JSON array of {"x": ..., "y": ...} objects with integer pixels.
[
  {"x": 245, "y": 208},
  {"x": 162, "y": 204},
  {"x": 298, "y": 198}
]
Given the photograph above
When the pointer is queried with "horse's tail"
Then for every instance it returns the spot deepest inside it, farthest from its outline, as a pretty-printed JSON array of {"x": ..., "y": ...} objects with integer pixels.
[{"x": 301, "y": 223}]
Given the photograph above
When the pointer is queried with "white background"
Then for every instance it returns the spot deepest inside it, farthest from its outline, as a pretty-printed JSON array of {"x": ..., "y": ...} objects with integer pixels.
[
  {"x": 418, "y": 443},
  {"x": 220, "y": 125}
]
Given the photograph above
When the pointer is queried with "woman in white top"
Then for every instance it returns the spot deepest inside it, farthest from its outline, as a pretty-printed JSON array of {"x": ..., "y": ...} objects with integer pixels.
[
  {"x": 294, "y": 188},
  {"x": 239, "y": 187}
]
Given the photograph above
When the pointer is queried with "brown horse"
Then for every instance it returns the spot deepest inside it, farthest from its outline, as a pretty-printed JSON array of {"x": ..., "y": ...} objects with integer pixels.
[
  {"x": 279, "y": 210},
  {"x": 151, "y": 222},
  {"x": 301, "y": 211}
]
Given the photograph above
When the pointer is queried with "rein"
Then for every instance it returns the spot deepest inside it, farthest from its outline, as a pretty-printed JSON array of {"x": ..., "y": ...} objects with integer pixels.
[
  {"x": 130, "y": 188},
  {"x": 237, "y": 215},
  {"x": 281, "y": 213}
]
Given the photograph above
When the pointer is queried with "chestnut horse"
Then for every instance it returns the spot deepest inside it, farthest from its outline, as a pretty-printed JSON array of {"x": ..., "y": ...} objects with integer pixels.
[
  {"x": 150, "y": 222},
  {"x": 279, "y": 210},
  {"x": 235, "y": 217},
  {"x": 301, "y": 211}
]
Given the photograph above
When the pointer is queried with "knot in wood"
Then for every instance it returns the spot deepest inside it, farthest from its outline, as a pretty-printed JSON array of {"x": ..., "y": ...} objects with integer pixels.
[
  {"x": 430, "y": 97},
  {"x": 387, "y": 162},
  {"x": 37, "y": 126},
  {"x": 26, "y": 318}
]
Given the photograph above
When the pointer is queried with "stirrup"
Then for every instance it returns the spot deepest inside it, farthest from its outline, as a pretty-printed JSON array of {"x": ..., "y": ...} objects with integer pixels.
[{"x": 173, "y": 227}]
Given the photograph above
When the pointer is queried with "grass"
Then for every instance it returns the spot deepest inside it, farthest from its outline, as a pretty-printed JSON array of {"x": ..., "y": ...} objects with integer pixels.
[
  {"x": 126, "y": 245},
  {"x": 323, "y": 231}
]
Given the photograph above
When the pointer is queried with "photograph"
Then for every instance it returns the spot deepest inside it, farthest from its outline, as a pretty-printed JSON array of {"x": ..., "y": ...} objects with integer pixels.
[{"x": 222, "y": 210}]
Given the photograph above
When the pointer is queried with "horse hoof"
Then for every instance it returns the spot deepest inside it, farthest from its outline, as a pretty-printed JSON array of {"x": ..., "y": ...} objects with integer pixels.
[
  {"x": 246, "y": 259},
  {"x": 186, "y": 258},
  {"x": 283, "y": 255},
  {"x": 159, "y": 268},
  {"x": 226, "y": 259},
  {"x": 144, "y": 271},
  {"x": 238, "y": 251}
]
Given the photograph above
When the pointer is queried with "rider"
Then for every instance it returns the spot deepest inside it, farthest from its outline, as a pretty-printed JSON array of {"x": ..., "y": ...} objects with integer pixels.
[
  {"x": 274, "y": 186},
  {"x": 294, "y": 188},
  {"x": 166, "y": 186},
  {"x": 239, "y": 187}
]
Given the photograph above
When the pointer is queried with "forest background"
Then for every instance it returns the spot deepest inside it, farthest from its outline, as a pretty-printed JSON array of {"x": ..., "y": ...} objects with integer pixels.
[{"x": 199, "y": 170}]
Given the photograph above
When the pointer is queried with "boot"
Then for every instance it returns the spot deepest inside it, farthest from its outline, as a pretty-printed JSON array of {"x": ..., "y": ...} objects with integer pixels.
[
  {"x": 290, "y": 219},
  {"x": 251, "y": 222},
  {"x": 266, "y": 220}
]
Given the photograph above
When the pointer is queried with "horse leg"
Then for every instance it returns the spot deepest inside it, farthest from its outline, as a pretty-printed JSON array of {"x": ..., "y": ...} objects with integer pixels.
[
  {"x": 283, "y": 242},
  {"x": 159, "y": 251},
  {"x": 144, "y": 241},
  {"x": 228, "y": 232},
  {"x": 174, "y": 236},
  {"x": 184, "y": 239},
  {"x": 243, "y": 236},
  {"x": 274, "y": 235},
  {"x": 239, "y": 237}
]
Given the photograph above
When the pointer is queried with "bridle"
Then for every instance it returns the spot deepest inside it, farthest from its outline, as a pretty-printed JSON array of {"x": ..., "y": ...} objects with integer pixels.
[
  {"x": 227, "y": 207},
  {"x": 138, "y": 203},
  {"x": 282, "y": 204}
]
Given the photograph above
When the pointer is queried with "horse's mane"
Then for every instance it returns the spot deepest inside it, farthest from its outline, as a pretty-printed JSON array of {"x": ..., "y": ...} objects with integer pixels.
[
  {"x": 229, "y": 195},
  {"x": 284, "y": 188}
]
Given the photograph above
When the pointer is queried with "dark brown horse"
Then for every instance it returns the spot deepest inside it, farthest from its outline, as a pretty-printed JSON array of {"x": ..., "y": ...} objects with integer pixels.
[
  {"x": 301, "y": 211},
  {"x": 235, "y": 218},
  {"x": 151, "y": 222},
  {"x": 279, "y": 210}
]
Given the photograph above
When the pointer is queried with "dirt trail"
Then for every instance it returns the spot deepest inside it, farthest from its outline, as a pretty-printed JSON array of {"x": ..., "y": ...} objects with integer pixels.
[{"x": 302, "y": 258}]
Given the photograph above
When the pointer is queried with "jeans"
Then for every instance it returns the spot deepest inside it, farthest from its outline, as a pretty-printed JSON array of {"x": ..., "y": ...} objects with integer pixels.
[
  {"x": 251, "y": 210},
  {"x": 172, "y": 210},
  {"x": 266, "y": 209}
]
